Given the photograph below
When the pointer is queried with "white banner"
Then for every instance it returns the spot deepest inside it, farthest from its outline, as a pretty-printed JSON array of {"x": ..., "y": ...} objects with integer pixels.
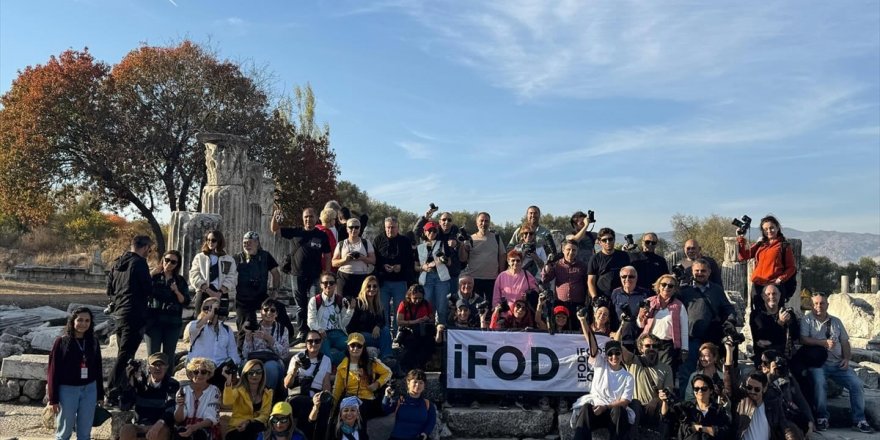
[{"x": 518, "y": 361}]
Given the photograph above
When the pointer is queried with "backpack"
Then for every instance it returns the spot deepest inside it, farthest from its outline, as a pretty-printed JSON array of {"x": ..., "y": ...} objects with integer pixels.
[
  {"x": 337, "y": 300},
  {"x": 788, "y": 286}
]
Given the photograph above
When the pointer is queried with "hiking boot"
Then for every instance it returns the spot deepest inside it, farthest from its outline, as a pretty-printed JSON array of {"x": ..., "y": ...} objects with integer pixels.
[{"x": 863, "y": 426}]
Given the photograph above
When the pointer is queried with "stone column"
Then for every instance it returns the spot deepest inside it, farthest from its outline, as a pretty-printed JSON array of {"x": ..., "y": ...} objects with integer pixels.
[
  {"x": 733, "y": 272},
  {"x": 97, "y": 267},
  {"x": 875, "y": 285},
  {"x": 844, "y": 284},
  {"x": 186, "y": 232},
  {"x": 225, "y": 194}
]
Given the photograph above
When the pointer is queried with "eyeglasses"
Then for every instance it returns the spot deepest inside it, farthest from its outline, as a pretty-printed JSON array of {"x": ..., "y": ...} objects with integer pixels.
[
  {"x": 328, "y": 283},
  {"x": 355, "y": 346},
  {"x": 372, "y": 287},
  {"x": 279, "y": 420},
  {"x": 313, "y": 341},
  {"x": 650, "y": 242},
  {"x": 354, "y": 227},
  {"x": 607, "y": 240},
  {"x": 445, "y": 219},
  {"x": 613, "y": 353},
  {"x": 752, "y": 389},
  {"x": 199, "y": 372},
  {"x": 269, "y": 310},
  {"x": 647, "y": 346},
  {"x": 701, "y": 389},
  {"x": 527, "y": 233},
  {"x": 518, "y": 305},
  {"x": 212, "y": 240},
  {"x": 667, "y": 285},
  {"x": 255, "y": 373},
  {"x": 170, "y": 260},
  {"x": 627, "y": 277}
]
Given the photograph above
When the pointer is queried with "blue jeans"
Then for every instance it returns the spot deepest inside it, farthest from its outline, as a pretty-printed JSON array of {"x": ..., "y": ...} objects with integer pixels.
[
  {"x": 77, "y": 403},
  {"x": 844, "y": 377},
  {"x": 396, "y": 291},
  {"x": 162, "y": 336},
  {"x": 435, "y": 293},
  {"x": 274, "y": 372},
  {"x": 383, "y": 343},
  {"x": 335, "y": 345}
]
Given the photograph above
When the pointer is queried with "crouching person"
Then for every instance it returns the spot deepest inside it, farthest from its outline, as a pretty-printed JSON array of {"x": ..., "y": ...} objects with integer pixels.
[{"x": 154, "y": 401}]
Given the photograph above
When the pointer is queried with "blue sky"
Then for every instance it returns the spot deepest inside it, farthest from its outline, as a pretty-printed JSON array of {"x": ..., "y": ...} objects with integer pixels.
[{"x": 636, "y": 110}]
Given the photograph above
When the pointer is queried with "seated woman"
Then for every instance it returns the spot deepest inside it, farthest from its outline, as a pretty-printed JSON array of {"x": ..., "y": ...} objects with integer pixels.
[
  {"x": 369, "y": 318},
  {"x": 513, "y": 283},
  {"x": 197, "y": 409},
  {"x": 461, "y": 320},
  {"x": 560, "y": 318},
  {"x": 250, "y": 401},
  {"x": 414, "y": 416},
  {"x": 310, "y": 370},
  {"x": 416, "y": 329},
  {"x": 773, "y": 328},
  {"x": 349, "y": 426},
  {"x": 601, "y": 324},
  {"x": 701, "y": 418},
  {"x": 666, "y": 314},
  {"x": 709, "y": 366},
  {"x": 267, "y": 342},
  {"x": 209, "y": 337},
  {"x": 520, "y": 317},
  {"x": 360, "y": 376},
  {"x": 282, "y": 425}
]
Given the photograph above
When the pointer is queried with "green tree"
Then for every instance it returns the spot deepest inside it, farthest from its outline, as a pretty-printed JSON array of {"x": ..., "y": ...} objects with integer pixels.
[
  {"x": 820, "y": 274},
  {"x": 708, "y": 231}
]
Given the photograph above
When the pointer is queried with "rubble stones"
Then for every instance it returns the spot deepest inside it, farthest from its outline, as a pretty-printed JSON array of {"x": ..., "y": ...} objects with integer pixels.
[
  {"x": 34, "y": 389},
  {"x": 9, "y": 390}
]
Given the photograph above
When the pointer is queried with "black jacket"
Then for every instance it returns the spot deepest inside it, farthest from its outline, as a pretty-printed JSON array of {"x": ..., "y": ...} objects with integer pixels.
[
  {"x": 706, "y": 311},
  {"x": 129, "y": 285},
  {"x": 687, "y": 414}
]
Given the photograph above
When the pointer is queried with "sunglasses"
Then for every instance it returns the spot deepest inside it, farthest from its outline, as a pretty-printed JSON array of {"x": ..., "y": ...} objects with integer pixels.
[
  {"x": 255, "y": 373},
  {"x": 313, "y": 341},
  {"x": 372, "y": 287},
  {"x": 328, "y": 283},
  {"x": 614, "y": 353},
  {"x": 701, "y": 389},
  {"x": 667, "y": 285},
  {"x": 278, "y": 420},
  {"x": 516, "y": 260},
  {"x": 752, "y": 389},
  {"x": 199, "y": 372},
  {"x": 627, "y": 277},
  {"x": 650, "y": 242},
  {"x": 268, "y": 310},
  {"x": 606, "y": 240},
  {"x": 354, "y": 227},
  {"x": 170, "y": 260},
  {"x": 212, "y": 240},
  {"x": 355, "y": 346},
  {"x": 527, "y": 233}
]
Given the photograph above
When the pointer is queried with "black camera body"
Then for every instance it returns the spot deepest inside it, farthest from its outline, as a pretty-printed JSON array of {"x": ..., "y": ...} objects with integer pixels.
[
  {"x": 679, "y": 272},
  {"x": 133, "y": 363},
  {"x": 433, "y": 206},
  {"x": 731, "y": 334},
  {"x": 644, "y": 304},
  {"x": 463, "y": 236},
  {"x": 483, "y": 307},
  {"x": 550, "y": 247},
  {"x": 229, "y": 367},
  {"x": 626, "y": 314},
  {"x": 252, "y": 326},
  {"x": 503, "y": 306},
  {"x": 591, "y": 217},
  {"x": 670, "y": 396},
  {"x": 441, "y": 257},
  {"x": 355, "y": 255},
  {"x": 789, "y": 310},
  {"x": 528, "y": 249},
  {"x": 742, "y": 225},
  {"x": 629, "y": 239}
]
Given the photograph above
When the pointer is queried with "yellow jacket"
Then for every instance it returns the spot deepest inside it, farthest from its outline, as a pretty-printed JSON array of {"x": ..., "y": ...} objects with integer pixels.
[
  {"x": 349, "y": 384},
  {"x": 239, "y": 399}
]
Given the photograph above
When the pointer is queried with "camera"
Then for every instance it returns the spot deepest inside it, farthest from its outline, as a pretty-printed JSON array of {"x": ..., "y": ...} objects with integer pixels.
[
  {"x": 679, "y": 272},
  {"x": 441, "y": 257},
  {"x": 229, "y": 367},
  {"x": 670, "y": 396},
  {"x": 483, "y": 307},
  {"x": 591, "y": 217},
  {"x": 629, "y": 239},
  {"x": 742, "y": 225},
  {"x": 463, "y": 235},
  {"x": 403, "y": 333},
  {"x": 644, "y": 304},
  {"x": 781, "y": 366},
  {"x": 550, "y": 248},
  {"x": 433, "y": 206},
  {"x": 503, "y": 306},
  {"x": 528, "y": 249},
  {"x": 789, "y": 310},
  {"x": 251, "y": 326},
  {"x": 626, "y": 314},
  {"x": 134, "y": 364},
  {"x": 355, "y": 255},
  {"x": 731, "y": 334}
]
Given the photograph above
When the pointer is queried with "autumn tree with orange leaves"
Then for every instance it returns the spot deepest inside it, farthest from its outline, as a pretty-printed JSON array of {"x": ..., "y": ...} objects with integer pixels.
[{"x": 127, "y": 132}]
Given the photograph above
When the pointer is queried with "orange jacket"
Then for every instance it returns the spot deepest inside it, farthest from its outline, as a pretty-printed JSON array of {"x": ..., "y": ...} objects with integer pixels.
[{"x": 769, "y": 263}]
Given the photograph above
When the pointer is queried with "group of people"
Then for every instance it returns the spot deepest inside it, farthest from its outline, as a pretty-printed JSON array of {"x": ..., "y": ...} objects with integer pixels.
[{"x": 357, "y": 298}]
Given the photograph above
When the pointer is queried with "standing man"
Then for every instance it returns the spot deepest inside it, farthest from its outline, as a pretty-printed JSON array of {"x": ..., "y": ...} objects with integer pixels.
[
  {"x": 485, "y": 257},
  {"x": 533, "y": 219},
  {"x": 309, "y": 246},
  {"x": 254, "y": 267},
  {"x": 570, "y": 274},
  {"x": 585, "y": 239},
  {"x": 604, "y": 268},
  {"x": 128, "y": 284},
  {"x": 709, "y": 311},
  {"x": 628, "y": 296},
  {"x": 394, "y": 264},
  {"x": 692, "y": 253},
  {"x": 648, "y": 264},
  {"x": 820, "y": 329}
]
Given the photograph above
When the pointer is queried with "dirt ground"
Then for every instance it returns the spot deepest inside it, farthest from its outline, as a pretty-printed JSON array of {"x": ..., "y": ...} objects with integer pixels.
[{"x": 27, "y": 295}]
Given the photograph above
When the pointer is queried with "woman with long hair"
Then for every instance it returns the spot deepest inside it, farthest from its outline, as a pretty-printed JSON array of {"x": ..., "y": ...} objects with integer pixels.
[
  {"x": 267, "y": 341},
  {"x": 250, "y": 401},
  {"x": 213, "y": 271},
  {"x": 360, "y": 376},
  {"x": 601, "y": 317},
  {"x": 433, "y": 268},
  {"x": 165, "y": 306},
  {"x": 700, "y": 417},
  {"x": 209, "y": 337},
  {"x": 416, "y": 329},
  {"x": 328, "y": 227},
  {"x": 75, "y": 382},
  {"x": 353, "y": 258},
  {"x": 709, "y": 365},
  {"x": 369, "y": 318},
  {"x": 282, "y": 425},
  {"x": 774, "y": 261},
  {"x": 519, "y": 317},
  {"x": 349, "y": 426},
  {"x": 667, "y": 320},
  {"x": 197, "y": 409}
]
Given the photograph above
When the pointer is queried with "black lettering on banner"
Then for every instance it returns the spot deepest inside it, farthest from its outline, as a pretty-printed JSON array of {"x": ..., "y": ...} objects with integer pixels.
[
  {"x": 473, "y": 361},
  {"x": 554, "y": 363},
  {"x": 520, "y": 363},
  {"x": 456, "y": 364}
]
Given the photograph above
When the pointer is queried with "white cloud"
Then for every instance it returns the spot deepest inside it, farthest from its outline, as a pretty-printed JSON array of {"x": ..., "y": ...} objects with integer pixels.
[
  {"x": 415, "y": 150},
  {"x": 413, "y": 188}
]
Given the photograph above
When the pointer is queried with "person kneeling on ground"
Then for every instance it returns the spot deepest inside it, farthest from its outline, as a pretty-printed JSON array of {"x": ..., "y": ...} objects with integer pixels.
[{"x": 154, "y": 400}]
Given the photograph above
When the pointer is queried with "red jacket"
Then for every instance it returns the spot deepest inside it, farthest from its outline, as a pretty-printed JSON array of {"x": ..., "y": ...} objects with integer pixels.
[
  {"x": 769, "y": 264},
  {"x": 332, "y": 239}
]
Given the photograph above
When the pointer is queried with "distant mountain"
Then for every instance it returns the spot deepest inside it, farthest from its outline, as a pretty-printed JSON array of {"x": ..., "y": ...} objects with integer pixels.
[{"x": 840, "y": 247}]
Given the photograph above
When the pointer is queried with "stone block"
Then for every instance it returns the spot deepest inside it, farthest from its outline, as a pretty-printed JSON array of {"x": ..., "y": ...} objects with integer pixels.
[
  {"x": 489, "y": 421},
  {"x": 840, "y": 410},
  {"x": 118, "y": 419},
  {"x": 34, "y": 389},
  {"x": 9, "y": 390},
  {"x": 12, "y": 339},
  {"x": 44, "y": 339},
  {"x": 50, "y": 314},
  {"x": 7, "y": 350},
  {"x": 869, "y": 377},
  {"x": 566, "y": 432},
  {"x": 862, "y": 355},
  {"x": 15, "y": 330},
  {"x": 25, "y": 366},
  {"x": 857, "y": 311}
]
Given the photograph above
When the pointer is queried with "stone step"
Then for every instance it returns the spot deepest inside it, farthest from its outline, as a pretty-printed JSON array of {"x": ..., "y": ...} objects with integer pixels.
[{"x": 840, "y": 410}]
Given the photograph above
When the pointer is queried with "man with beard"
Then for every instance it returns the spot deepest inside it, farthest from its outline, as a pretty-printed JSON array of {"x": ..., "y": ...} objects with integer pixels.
[
  {"x": 693, "y": 253},
  {"x": 570, "y": 274},
  {"x": 754, "y": 415},
  {"x": 650, "y": 376},
  {"x": 533, "y": 220},
  {"x": 649, "y": 265},
  {"x": 603, "y": 272}
]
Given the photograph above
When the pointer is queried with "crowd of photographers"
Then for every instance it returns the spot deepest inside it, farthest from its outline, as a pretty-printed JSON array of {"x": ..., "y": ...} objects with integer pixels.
[{"x": 670, "y": 361}]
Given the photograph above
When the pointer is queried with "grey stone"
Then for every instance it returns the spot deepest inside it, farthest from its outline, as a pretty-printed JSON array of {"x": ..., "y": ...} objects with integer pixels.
[
  {"x": 24, "y": 399},
  {"x": 44, "y": 339},
  {"x": 840, "y": 410},
  {"x": 869, "y": 377},
  {"x": 50, "y": 314},
  {"x": 34, "y": 389},
  {"x": 9, "y": 390},
  {"x": 857, "y": 312},
  {"x": 861, "y": 355},
  {"x": 118, "y": 419},
  {"x": 18, "y": 318},
  {"x": 7, "y": 350},
  {"x": 489, "y": 421},
  {"x": 25, "y": 366},
  {"x": 15, "y": 330}
]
